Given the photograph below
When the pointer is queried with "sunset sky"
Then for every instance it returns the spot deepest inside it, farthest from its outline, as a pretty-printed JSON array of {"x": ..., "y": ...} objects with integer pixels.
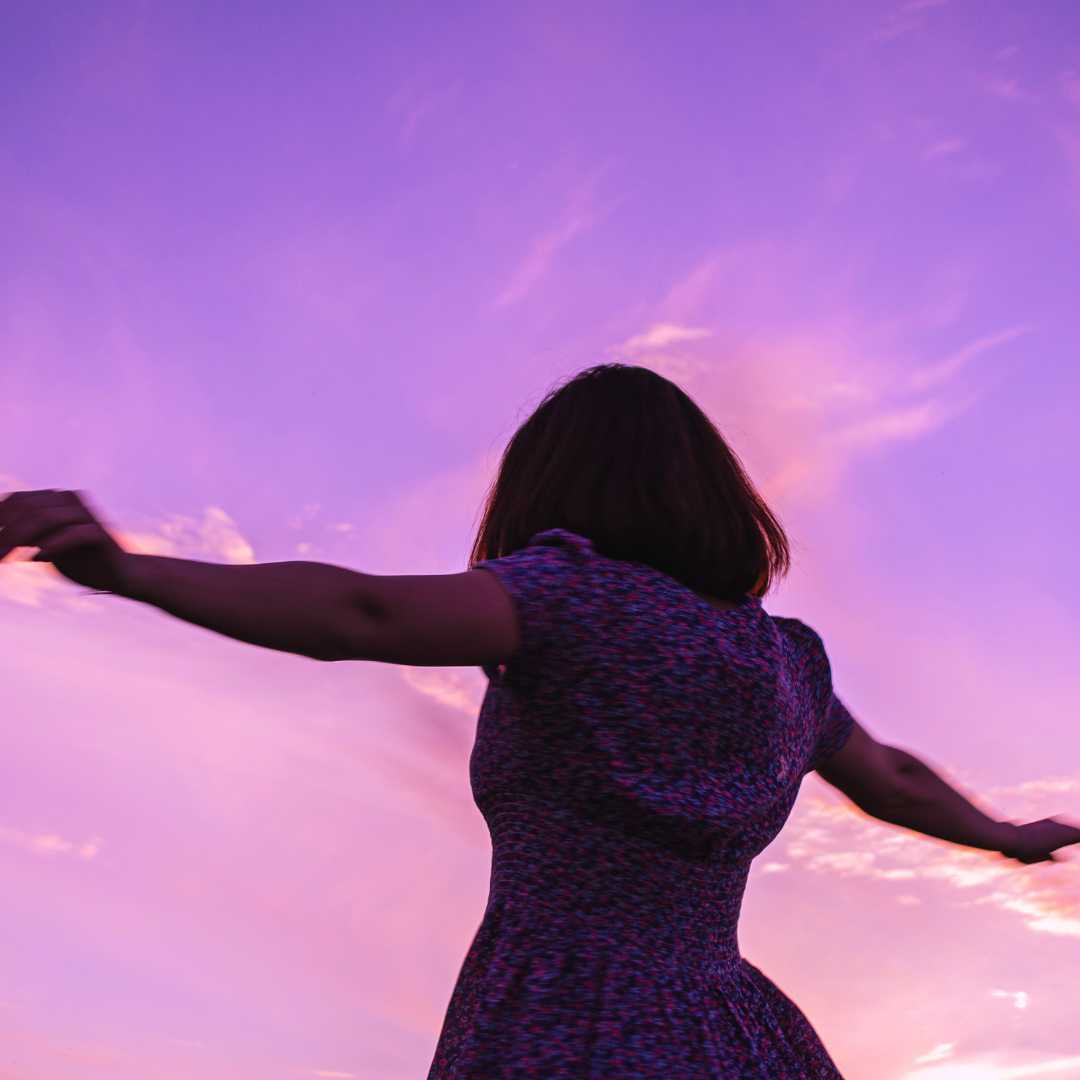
[{"x": 280, "y": 281}]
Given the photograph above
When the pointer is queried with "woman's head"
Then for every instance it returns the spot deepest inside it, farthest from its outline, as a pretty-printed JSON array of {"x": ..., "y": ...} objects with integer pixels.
[{"x": 621, "y": 455}]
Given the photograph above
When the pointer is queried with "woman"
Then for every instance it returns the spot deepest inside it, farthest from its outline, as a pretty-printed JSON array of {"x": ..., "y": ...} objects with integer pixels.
[{"x": 644, "y": 734}]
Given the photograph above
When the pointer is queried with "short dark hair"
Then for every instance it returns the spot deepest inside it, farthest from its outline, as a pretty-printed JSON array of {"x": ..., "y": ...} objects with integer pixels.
[{"x": 624, "y": 457}]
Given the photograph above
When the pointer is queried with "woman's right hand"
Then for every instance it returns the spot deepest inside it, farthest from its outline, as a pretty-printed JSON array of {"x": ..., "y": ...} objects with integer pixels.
[{"x": 1035, "y": 841}]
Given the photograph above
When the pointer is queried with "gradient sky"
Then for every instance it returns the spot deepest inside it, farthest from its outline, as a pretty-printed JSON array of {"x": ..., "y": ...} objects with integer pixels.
[{"x": 280, "y": 281}]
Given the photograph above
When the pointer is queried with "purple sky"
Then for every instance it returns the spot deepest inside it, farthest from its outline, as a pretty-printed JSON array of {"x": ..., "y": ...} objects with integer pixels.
[{"x": 280, "y": 281}]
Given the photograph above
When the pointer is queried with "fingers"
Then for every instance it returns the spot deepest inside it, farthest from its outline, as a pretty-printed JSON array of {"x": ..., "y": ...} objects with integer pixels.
[
  {"x": 64, "y": 540},
  {"x": 17, "y": 503},
  {"x": 1042, "y": 838},
  {"x": 1064, "y": 832},
  {"x": 14, "y": 497},
  {"x": 30, "y": 527}
]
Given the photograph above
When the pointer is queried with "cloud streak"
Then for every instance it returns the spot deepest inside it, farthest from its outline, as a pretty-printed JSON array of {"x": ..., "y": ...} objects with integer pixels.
[
  {"x": 837, "y": 838},
  {"x": 49, "y": 844},
  {"x": 580, "y": 215}
]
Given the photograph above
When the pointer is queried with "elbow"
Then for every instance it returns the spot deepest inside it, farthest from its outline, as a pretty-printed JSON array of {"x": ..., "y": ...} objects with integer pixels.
[
  {"x": 352, "y": 637},
  {"x": 905, "y": 789}
]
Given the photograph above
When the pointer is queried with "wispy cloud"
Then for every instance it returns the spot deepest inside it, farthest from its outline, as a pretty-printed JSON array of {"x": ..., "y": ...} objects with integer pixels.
[
  {"x": 1008, "y": 89},
  {"x": 214, "y": 536},
  {"x": 943, "y": 148},
  {"x": 659, "y": 336},
  {"x": 1019, "y": 998},
  {"x": 50, "y": 843},
  {"x": 1070, "y": 88},
  {"x": 905, "y": 19},
  {"x": 581, "y": 214},
  {"x": 933, "y": 374},
  {"x": 1068, "y": 140},
  {"x": 955, "y": 163},
  {"x": 815, "y": 381},
  {"x": 984, "y": 1067},
  {"x": 451, "y": 687},
  {"x": 1042, "y": 786},
  {"x": 886, "y": 424},
  {"x": 837, "y": 838},
  {"x": 412, "y": 103},
  {"x": 938, "y": 1053}
]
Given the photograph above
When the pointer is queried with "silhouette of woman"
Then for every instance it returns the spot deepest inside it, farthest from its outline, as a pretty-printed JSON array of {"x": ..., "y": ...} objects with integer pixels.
[{"x": 644, "y": 733}]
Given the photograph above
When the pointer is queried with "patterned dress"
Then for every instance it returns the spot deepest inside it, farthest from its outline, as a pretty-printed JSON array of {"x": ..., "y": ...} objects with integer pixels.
[{"x": 630, "y": 760}]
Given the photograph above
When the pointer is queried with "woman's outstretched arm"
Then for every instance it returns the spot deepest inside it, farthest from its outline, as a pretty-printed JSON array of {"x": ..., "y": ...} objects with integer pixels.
[
  {"x": 298, "y": 607},
  {"x": 894, "y": 786},
  {"x": 313, "y": 609},
  {"x": 307, "y": 608},
  {"x": 935, "y": 808},
  {"x": 931, "y": 806}
]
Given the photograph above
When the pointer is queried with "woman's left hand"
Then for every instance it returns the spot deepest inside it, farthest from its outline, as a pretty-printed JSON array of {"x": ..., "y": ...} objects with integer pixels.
[{"x": 68, "y": 535}]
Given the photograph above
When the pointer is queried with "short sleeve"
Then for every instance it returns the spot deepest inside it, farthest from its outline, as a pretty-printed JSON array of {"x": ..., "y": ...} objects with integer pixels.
[
  {"x": 542, "y": 580},
  {"x": 836, "y": 723},
  {"x": 836, "y": 728}
]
